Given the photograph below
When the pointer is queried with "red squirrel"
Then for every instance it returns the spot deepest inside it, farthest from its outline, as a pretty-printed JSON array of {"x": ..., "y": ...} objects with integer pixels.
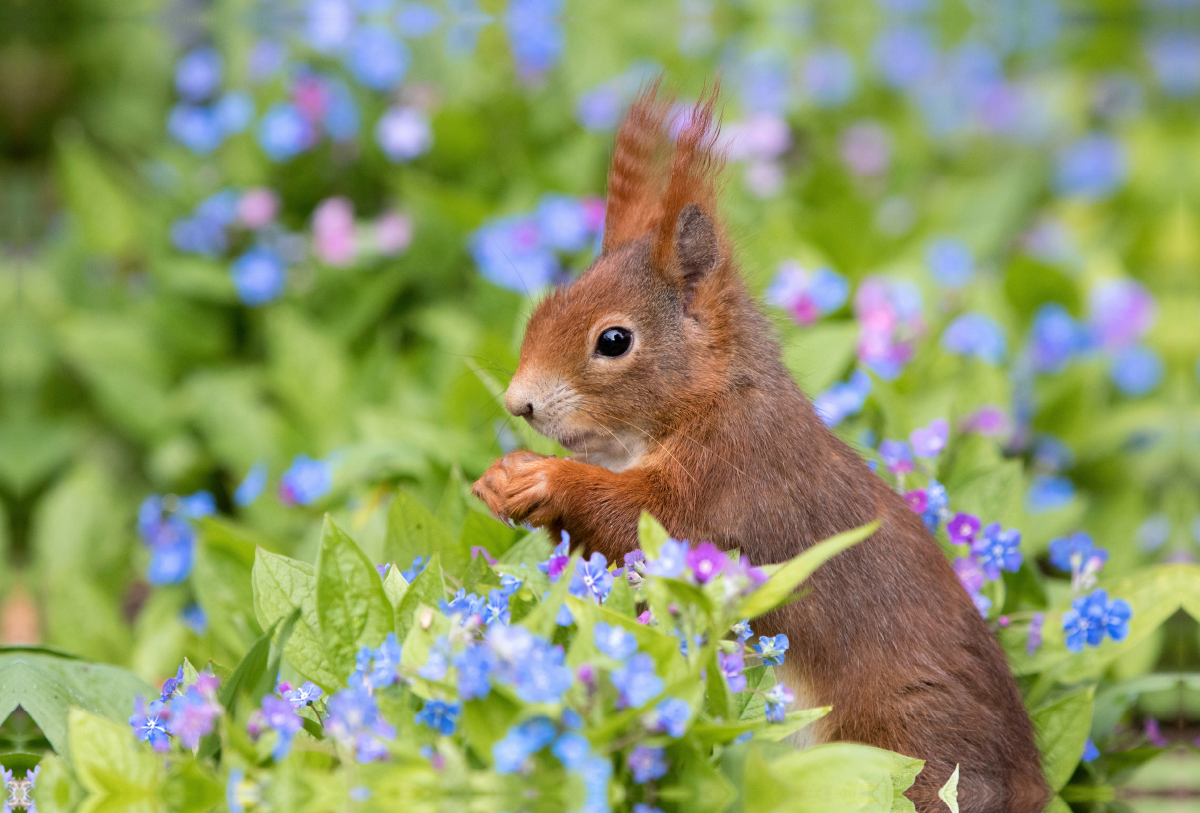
[{"x": 663, "y": 378}]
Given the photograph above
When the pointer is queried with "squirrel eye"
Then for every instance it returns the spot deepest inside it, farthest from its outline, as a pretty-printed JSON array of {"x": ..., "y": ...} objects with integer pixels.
[{"x": 613, "y": 342}]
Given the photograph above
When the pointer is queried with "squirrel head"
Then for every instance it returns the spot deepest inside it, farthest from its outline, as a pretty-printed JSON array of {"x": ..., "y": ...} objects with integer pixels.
[{"x": 614, "y": 361}]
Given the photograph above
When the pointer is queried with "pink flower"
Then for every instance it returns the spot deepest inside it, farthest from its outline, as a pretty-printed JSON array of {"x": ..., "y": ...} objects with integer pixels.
[
  {"x": 962, "y": 528},
  {"x": 866, "y": 148},
  {"x": 393, "y": 233},
  {"x": 257, "y": 207},
  {"x": 918, "y": 500},
  {"x": 929, "y": 441},
  {"x": 333, "y": 231},
  {"x": 989, "y": 421},
  {"x": 970, "y": 573},
  {"x": 644, "y": 618}
]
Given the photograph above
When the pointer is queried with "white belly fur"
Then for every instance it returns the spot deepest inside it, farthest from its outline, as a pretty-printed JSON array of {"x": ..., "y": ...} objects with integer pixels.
[{"x": 806, "y": 737}]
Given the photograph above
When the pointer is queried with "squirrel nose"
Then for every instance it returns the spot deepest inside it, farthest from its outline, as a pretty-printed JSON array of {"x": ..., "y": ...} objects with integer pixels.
[{"x": 523, "y": 411}]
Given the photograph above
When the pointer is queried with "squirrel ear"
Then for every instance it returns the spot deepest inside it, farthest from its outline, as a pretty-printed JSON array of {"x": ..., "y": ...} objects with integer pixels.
[{"x": 696, "y": 248}]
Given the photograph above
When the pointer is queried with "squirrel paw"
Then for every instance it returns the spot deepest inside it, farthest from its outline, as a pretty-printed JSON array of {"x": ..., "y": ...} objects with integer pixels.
[{"x": 517, "y": 488}]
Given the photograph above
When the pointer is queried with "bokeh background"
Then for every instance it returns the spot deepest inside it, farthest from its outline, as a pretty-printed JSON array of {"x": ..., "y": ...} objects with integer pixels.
[{"x": 260, "y": 260}]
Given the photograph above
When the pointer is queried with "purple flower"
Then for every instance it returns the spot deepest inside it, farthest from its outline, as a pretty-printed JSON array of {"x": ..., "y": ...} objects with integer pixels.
[
  {"x": 353, "y": 719},
  {"x": 950, "y": 261},
  {"x": 557, "y": 563},
  {"x": 522, "y": 741},
  {"x": 671, "y": 715},
  {"x": 305, "y": 481},
  {"x": 844, "y": 399},
  {"x": 706, "y": 561},
  {"x": 599, "y": 109},
  {"x": 974, "y": 334},
  {"x": 733, "y": 664},
  {"x": 403, "y": 133},
  {"x": 614, "y": 640},
  {"x": 806, "y": 294},
  {"x": 509, "y": 253},
  {"x": 1120, "y": 312},
  {"x": 308, "y": 693},
  {"x": 647, "y": 763},
  {"x": 963, "y": 528},
  {"x": 259, "y": 276},
  {"x": 1175, "y": 58},
  {"x": 440, "y": 716},
  {"x": 592, "y": 579},
  {"x": 193, "y": 715},
  {"x": 637, "y": 681},
  {"x": 929, "y": 441},
  {"x": 280, "y": 715},
  {"x": 1093, "y": 616},
  {"x": 777, "y": 700},
  {"x": 917, "y": 500},
  {"x": 1136, "y": 371},
  {"x": 890, "y": 320},
  {"x": 671, "y": 559},
  {"x": 998, "y": 550},
  {"x": 904, "y": 55},
  {"x": 771, "y": 650},
  {"x": 150, "y": 723},
  {"x": 1092, "y": 168},
  {"x": 172, "y": 544},
  {"x": 284, "y": 132},
  {"x": 1036, "y": 623},
  {"x": 896, "y": 456},
  {"x": 866, "y": 148}
]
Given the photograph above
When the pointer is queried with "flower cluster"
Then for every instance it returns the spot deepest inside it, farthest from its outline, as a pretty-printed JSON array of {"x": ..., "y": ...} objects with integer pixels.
[
  {"x": 164, "y": 524},
  {"x": 807, "y": 295},
  {"x": 186, "y": 710},
  {"x": 890, "y": 322},
  {"x": 204, "y": 117},
  {"x": 522, "y": 252},
  {"x": 843, "y": 399},
  {"x": 1094, "y": 616}
]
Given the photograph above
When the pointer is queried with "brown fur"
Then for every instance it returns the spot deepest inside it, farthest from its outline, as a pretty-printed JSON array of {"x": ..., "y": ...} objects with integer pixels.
[{"x": 728, "y": 449}]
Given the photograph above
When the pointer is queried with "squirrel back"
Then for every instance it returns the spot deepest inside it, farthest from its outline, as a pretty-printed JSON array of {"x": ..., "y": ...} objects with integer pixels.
[{"x": 659, "y": 372}]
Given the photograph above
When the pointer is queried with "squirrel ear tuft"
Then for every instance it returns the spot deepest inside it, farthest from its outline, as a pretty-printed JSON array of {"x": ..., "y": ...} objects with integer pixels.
[{"x": 696, "y": 247}]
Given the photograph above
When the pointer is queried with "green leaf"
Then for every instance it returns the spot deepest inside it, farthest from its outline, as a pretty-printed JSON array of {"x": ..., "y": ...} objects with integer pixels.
[
  {"x": 191, "y": 788},
  {"x": 248, "y": 673},
  {"x": 412, "y": 531},
  {"x": 651, "y": 534},
  {"x": 117, "y": 773},
  {"x": 483, "y": 530},
  {"x": 426, "y": 589},
  {"x": 47, "y": 684},
  {"x": 543, "y": 619},
  {"x": 353, "y": 611},
  {"x": 452, "y": 508},
  {"x": 949, "y": 791},
  {"x": 529, "y": 550},
  {"x": 700, "y": 788},
  {"x": 221, "y": 579},
  {"x": 819, "y": 356},
  {"x": 1062, "y": 729},
  {"x": 833, "y": 778},
  {"x": 282, "y": 585},
  {"x": 787, "y": 578},
  {"x": 394, "y": 586},
  {"x": 102, "y": 207}
]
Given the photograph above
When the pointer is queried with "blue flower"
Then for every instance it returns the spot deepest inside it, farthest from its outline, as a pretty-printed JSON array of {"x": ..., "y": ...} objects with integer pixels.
[
  {"x": 284, "y": 132},
  {"x": 259, "y": 276},
  {"x": 647, "y": 763},
  {"x": 418, "y": 566},
  {"x": 195, "y": 506},
  {"x": 474, "y": 665},
  {"x": 172, "y": 552},
  {"x": 541, "y": 676},
  {"x": 828, "y": 76},
  {"x": 194, "y": 618},
  {"x": 998, "y": 550},
  {"x": 308, "y": 693},
  {"x": 844, "y": 399},
  {"x": 742, "y": 630},
  {"x": 599, "y": 109},
  {"x": 534, "y": 34},
  {"x": 1092, "y": 168},
  {"x": 772, "y": 650},
  {"x": 936, "y": 501},
  {"x": 1093, "y": 616},
  {"x": 198, "y": 74},
  {"x": 671, "y": 560},
  {"x": 1048, "y": 493},
  {"x": 149, "y": 723},
  {"x": 777, "y": 700},
  {"x": 496, "y": 610},
  {"x": 341, "y": 119},
  {"x": 305, "y": 481},
  {"x": 353, "y": 719},
  {"x": 1071, "y": 553},
  {"x": 510, "y": 752},
  {"x": 974, "y": 334},
  {"x": 328, "y": 24},
  {"x": 1136, "y": 370},
  {"x": 417, "y": 19},
  {"x": 509, "y": 253},
  {"x": 950, "y": 261},
  {"x": 562, "y": 222},
  {"x": 233, "y": 112},
  {"x": 671, "y": 715},
  {"x": 592, "y": 579},
  {"x": 572, "y": 750},
  {"x": 196, "y": 128},
  {"x": 377, "y": 668},
  {"x": 196, "y": 235},
  {"x": 376, "y": 58},
  {"x": 439, "y": 715},
  {"x": 637, "y": 681},
  {"x": 614, "y": 640},
  {"x": 252, "y": 486},
  {"x": 733, "y": 665},
  {"x": 1055, "y": 338},
  {"x": 904, "y": 55},
  {"x": 1090, "y": 751},
  {"x": 464, "y": 604},
  {"x": 282, "y": 717},
  {"x": 170, "y": 685},
  {"x": 1175, "y": 57},
  {"x": 403, "y": 133}
]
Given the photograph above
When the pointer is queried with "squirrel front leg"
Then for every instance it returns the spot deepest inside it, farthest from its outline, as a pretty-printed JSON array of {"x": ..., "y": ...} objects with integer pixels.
[{"x": 597, "y": 507}]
